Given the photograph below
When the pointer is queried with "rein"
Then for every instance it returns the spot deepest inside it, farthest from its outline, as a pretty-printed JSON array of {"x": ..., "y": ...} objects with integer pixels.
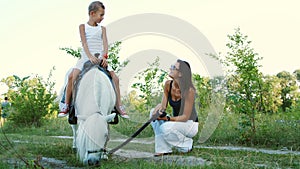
[{"x": 98, "y": 151}]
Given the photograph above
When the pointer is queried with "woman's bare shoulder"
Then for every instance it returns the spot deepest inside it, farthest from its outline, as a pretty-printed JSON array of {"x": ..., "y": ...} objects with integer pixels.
[{"x": 167, "y": 83}]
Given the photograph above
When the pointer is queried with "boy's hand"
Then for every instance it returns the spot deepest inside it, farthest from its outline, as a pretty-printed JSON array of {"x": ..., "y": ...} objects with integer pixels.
[
  {"x": 94, "y": 60},
  {"x": 104, "y": 62}
]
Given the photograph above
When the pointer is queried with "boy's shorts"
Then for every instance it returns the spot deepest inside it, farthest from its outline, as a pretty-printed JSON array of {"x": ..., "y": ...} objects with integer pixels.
[{"x": 81, "y": 62}]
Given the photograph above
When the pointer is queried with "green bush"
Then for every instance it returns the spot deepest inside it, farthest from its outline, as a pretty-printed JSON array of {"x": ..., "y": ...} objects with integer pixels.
[{"x": 32, "y": 100}]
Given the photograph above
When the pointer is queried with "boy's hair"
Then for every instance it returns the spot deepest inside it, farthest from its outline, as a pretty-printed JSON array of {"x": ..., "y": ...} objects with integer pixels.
[{"x": 94, "y": 6}]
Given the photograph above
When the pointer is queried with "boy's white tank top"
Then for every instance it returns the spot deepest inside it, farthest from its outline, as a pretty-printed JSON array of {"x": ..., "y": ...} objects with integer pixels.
[{"x": 94, "y": 40}]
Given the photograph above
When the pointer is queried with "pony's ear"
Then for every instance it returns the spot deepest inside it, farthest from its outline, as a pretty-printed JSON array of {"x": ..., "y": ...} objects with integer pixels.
[{"x": 110, "y": 117}]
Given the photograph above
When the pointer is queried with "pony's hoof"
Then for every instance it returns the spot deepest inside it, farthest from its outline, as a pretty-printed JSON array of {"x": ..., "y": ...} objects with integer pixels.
[
  {"x": 74, "y": 150},
  {"x": 85, "y": 162}
]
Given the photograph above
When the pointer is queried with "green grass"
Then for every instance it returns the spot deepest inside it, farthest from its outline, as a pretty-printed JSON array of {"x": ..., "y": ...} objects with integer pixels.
[
  {"x": 270, "y": 132},
  {"x": 31, "y": 143}
]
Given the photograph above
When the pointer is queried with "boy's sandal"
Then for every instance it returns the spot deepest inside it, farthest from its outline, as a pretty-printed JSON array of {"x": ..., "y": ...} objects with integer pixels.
[
  {"x": 123, "y": 112},
  {"x": 64, "y": 112}
]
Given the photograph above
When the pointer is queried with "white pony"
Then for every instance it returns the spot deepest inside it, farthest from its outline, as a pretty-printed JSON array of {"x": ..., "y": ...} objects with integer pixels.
[{"x": 95, "y": 100}]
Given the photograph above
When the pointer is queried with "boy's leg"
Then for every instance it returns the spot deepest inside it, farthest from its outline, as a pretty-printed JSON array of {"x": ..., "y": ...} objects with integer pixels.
[
  {"x": 116, "y": 85},
  {"x": 119, "y": 105},
  {"x": 71, "y": 79}
]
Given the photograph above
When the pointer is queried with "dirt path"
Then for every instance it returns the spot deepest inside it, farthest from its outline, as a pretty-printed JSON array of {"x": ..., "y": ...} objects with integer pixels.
[
  {"x": 266, "y": 151},
  {"x": 232, "y": 148},
  {"x": 170, "y": 159},
  {"x": 134, "y": 154}
]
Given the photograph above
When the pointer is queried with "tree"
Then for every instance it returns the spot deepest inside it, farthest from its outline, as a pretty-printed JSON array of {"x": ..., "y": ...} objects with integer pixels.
[
  {"x": 289, "y": 89},
  {"x": 297, "y": 74},
  {"x": 244, "y": 82},
  {"x": 114, "y": 58},
  {"x": 32, "y": 99},
  {"x": 150, "y": 83},
  {"x": 204, "y": 89},
  {"x": 271, "y": 94},
  {"x": 113, "y": 55}
]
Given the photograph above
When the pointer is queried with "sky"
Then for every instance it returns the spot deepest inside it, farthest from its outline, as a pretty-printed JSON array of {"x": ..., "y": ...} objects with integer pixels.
[{"x": 32, "y": 31}]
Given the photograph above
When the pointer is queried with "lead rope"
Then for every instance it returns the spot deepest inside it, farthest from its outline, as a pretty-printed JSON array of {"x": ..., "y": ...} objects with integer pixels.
[
  {"x": 153, "y": 118},
  {"x": 135, "y": 134}
]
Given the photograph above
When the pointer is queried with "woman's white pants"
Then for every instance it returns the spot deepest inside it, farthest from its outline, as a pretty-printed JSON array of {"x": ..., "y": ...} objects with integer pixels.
[{"x": 169, "y": 134}]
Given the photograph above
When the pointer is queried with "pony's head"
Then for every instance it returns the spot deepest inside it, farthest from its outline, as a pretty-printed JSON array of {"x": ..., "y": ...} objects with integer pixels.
[{"x": 95, "y": 157}]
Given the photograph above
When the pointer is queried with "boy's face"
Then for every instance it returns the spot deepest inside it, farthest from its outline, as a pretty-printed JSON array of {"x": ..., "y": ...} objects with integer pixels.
[{"x": 99, "y": 15}]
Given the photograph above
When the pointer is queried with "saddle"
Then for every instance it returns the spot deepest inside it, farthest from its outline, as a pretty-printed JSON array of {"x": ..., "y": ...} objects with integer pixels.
[{"x": 72, "y": 119}]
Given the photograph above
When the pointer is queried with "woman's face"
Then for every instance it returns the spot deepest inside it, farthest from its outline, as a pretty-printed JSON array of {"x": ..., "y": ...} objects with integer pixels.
[{"x": 174, "y": 70}]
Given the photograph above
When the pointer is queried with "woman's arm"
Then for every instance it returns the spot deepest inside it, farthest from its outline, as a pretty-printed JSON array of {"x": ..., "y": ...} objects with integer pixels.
[
  {"x": 164, "y": 100},
  {"x": 163, "y": 105}
]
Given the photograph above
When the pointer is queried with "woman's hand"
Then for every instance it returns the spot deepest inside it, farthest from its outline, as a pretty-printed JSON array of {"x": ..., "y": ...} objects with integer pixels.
[
  {"x": 163, "y": 118},
  {"x": 160, "y": 110},
  {"x": 157, "y": 109}
]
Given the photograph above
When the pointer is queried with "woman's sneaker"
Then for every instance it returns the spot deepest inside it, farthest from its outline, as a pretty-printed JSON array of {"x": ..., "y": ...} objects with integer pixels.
[
  {"x": 64, "y": 111},
  {"x": 123, "y": 112}
]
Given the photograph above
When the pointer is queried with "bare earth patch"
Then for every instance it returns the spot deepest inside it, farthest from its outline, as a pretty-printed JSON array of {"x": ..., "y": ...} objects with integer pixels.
[{"x": 169, "y": 159}]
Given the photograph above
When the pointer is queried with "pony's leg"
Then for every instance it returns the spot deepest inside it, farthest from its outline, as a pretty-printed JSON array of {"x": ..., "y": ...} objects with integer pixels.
[
  {"x": 74, "y": 128},
  {"x": 108, "y": 118}
]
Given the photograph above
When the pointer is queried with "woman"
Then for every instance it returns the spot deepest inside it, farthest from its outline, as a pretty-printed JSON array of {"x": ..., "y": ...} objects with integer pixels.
[{"x": 176, "y": 131}]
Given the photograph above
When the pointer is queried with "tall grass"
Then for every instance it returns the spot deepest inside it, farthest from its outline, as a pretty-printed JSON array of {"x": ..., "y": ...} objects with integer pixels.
[{"x": 272, "y": 131}]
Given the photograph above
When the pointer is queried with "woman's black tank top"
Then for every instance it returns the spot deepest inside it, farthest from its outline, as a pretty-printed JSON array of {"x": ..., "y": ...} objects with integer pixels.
[{"x": 176, "y": 106}]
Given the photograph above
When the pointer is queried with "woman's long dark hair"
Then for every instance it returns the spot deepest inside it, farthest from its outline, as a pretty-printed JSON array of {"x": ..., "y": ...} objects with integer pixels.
[{"x": 185, "y": 82}]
